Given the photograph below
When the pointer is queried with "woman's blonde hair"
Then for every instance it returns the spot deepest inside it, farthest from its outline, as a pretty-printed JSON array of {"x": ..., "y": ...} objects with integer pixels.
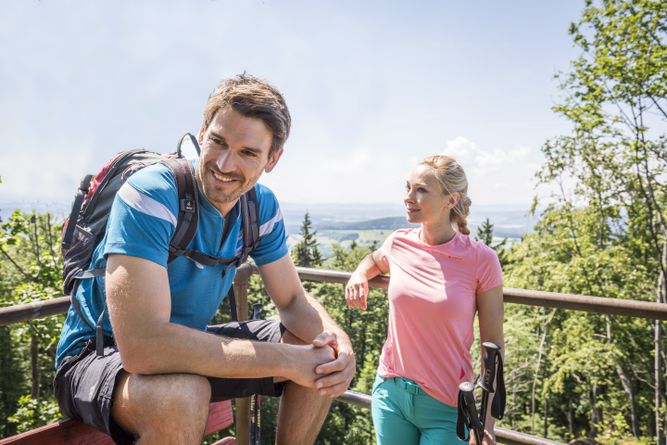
[{"x": 452, "y": 178}]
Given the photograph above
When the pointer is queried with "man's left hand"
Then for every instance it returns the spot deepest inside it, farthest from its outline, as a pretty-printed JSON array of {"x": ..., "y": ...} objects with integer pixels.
[{"x": 337, "y": 374}]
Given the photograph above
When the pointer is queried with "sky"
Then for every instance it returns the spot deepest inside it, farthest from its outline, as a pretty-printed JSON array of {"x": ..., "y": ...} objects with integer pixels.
[{"x": 372, "y": 87}]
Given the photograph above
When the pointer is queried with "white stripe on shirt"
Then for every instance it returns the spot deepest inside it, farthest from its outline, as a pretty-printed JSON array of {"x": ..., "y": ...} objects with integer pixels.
[
  {"x": 267, "y": 227},
  {"x": 145, "y": 204}
]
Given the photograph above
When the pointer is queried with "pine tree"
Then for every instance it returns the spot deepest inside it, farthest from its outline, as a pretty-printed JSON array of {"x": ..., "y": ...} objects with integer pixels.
[
  {"x": 306, "y": 253},
  {"x": 485, "y": 232},
  {"x": 485, "y": 235}
]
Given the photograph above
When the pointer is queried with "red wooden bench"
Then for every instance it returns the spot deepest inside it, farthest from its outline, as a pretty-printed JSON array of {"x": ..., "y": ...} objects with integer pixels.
[{"x": 73, "y": 432}]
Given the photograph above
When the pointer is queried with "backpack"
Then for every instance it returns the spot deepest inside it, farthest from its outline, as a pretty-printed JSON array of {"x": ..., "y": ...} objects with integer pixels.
[{"x": 85, "y": 227}]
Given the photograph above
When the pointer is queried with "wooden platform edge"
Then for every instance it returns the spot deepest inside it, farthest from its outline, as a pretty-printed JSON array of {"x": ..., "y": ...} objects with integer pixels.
[{"x": 74, "y": 432}]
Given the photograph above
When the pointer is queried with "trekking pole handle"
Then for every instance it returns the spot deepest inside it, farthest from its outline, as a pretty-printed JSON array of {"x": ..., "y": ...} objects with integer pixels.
[
  {"x": 491, "y": 352},
  {"x": 470, "y": 409}
]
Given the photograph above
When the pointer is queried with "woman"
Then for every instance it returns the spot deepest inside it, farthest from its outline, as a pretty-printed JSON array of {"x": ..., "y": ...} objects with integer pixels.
[{"x": 439, "y": 279}]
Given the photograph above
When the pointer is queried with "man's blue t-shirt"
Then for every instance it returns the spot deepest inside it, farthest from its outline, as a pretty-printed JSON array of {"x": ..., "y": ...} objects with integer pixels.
[{"x": 141, "y": 223}]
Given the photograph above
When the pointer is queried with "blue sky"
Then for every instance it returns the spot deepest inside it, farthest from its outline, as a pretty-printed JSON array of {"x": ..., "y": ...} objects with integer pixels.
[{"x": 372, "y": 87}]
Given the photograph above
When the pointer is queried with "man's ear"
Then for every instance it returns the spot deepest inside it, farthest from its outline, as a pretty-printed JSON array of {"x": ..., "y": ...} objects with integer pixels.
[
  {"x": 200, "y": 136},
  {"x": 273, "y": 160}
]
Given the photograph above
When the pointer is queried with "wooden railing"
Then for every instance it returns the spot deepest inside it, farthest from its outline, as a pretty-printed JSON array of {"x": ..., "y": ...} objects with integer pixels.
[{"x": 600, "y": 305}]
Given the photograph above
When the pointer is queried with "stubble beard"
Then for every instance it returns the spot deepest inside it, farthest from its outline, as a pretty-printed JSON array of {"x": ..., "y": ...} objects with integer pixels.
[{"x": 220, "y": 198}]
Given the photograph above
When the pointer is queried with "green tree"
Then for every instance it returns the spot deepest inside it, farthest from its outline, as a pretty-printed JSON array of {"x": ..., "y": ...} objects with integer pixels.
[
  {"x": 484, "y": 234},
  {"x": 367, "y": 330},
  {"x": 587, "y": 370},
  {"x": 610, "y": 211},
  {"x": 306, "y": 253},
  {"x": 31, "y": 270}
]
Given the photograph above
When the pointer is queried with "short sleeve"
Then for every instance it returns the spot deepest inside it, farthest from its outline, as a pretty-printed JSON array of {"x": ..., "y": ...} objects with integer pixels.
[
  {"x": 143, "y": 216},
  {"x": 272, "y": 244},
  {"x": 489, "y": 272},
  {"x": 385, "y": 249}
]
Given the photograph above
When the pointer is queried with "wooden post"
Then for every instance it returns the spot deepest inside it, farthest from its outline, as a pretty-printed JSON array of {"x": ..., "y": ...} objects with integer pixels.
[{"x": 241, "y": 282}]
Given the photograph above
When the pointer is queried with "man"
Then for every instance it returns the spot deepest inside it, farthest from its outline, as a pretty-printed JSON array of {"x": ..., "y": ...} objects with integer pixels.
[{"x": 157, "y": 376}]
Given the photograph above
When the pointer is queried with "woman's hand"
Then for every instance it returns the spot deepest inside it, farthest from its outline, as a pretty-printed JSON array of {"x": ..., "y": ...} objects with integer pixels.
[{"x": 356, "y": 291}]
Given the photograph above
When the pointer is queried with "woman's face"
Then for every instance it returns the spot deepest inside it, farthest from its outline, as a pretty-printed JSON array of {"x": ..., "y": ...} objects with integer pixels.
[{"x": 425, "y": 201}]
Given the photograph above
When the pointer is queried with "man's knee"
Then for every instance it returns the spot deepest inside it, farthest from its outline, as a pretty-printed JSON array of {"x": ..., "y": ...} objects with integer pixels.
[{"x": 159, "y": 402}]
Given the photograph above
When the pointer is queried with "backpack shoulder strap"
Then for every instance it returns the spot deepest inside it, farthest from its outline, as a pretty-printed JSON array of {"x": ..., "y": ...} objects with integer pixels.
[
  {"x": 250, "y": 231},
  {"x": 250, "y": 224},
  {"x": 188, "y": 206}
]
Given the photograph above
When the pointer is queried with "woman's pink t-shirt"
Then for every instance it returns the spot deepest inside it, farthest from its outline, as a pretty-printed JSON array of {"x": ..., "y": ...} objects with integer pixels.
[{"x": 432, "y": 306}]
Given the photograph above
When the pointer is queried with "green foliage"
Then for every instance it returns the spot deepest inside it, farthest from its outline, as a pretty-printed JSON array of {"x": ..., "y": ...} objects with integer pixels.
[
  {"x": 367, "y": 331},
  {"x": 33, "y": 412},
  {"x": 602, "y": 235},
  {"x": 31, "y": 270},
  {"x": 306, "y": 252},
  {"x": 579, "y": 354},
  {"x": 485, "y": 235}
]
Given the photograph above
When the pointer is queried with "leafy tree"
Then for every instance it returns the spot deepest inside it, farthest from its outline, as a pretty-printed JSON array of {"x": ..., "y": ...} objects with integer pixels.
[
  {"x": 31, "y": 266},
  {"x": 587, "y": 369},
  {"x": 605, "y": 231},
  {"x": 367, "y": 331}
]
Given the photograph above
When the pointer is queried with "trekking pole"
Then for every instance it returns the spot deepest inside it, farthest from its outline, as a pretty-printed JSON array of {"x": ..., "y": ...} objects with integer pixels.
[
  {"x": 467, "y": 414},
  {"x": 491, "y": 353},
  {"x": 255, "y": 435}
]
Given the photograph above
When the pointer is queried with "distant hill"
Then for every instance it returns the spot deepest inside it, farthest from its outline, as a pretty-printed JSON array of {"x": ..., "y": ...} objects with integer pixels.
[
  {"x": 388, "y": 223},
  {"x": 510, "y": 221}
]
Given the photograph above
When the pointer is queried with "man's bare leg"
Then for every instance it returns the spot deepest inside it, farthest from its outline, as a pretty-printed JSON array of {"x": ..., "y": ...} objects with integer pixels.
[
  {"x": 301, "y": 415},
  {"x": 302, "y": 411},
  {"x": 162, "y": 409}
]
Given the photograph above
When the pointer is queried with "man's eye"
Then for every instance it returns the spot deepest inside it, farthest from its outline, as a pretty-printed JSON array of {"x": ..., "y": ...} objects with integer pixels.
[
  {"x": 216, "y": 141},
  {"x": 250, "y": 153}
]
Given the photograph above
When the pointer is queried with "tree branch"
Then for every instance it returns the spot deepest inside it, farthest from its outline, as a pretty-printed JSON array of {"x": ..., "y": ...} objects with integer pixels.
[{"x": 16, "y": 265}]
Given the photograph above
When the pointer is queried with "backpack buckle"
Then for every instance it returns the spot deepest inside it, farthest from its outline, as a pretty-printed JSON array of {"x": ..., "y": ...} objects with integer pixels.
[{"x": 188, "y": 205}]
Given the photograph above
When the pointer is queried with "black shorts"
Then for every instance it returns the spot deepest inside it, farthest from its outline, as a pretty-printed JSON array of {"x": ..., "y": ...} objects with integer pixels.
[{"x": 84, "y": 384}]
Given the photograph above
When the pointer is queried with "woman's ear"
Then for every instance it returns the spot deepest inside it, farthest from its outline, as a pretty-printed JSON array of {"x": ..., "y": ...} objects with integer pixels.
[{"x": 454, "y": 199}]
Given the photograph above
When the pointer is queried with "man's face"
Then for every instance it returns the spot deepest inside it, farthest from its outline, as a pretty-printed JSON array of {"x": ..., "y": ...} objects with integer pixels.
[{"x": 234, "y": 153}]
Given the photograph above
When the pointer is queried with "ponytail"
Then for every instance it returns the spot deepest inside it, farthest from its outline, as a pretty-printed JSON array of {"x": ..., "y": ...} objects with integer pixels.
[{"x": 459, "y": 214}]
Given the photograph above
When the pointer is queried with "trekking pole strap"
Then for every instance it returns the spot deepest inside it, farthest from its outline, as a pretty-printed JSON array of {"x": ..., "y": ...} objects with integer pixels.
[{"x": 498, "y": 403}]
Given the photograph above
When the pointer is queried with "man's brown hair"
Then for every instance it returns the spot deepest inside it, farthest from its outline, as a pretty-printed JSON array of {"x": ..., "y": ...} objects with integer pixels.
[{"x": 252, "y": 97}]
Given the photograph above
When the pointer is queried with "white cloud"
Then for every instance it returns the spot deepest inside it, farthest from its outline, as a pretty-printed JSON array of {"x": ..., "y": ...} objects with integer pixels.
[
  {"x": 471, "y": 157},
  {"x": 500, "y": 175},
  {"x": 352, "y": 176}
]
